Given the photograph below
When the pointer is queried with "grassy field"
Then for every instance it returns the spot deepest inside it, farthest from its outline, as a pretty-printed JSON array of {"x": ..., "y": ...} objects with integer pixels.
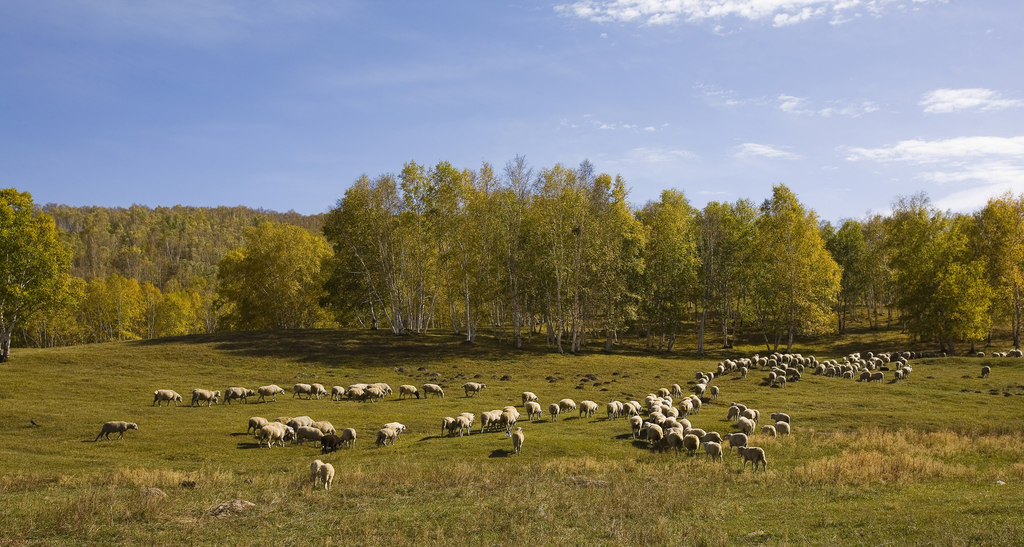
[{"x": 935, "y": 460}]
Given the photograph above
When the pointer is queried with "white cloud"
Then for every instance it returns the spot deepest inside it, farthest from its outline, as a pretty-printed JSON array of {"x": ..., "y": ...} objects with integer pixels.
[
  {"x": 793, "y": 105},
  {"x": 662, "y": 12},
  {"x": 658, "y": 155},
  {"x": 916, "y": 151},
  {"x": 942, "y": 101},
  {"x": 749, "y": 149},
  {"x": 649, "y": 129}
]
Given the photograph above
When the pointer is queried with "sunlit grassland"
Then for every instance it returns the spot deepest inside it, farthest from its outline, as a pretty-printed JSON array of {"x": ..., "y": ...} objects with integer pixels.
[{"x": 917, "y": 462}]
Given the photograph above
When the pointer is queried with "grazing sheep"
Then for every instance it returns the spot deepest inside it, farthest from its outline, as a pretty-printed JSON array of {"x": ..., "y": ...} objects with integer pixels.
[
  {"x": 383, "y": 387},
  {"x": 308, "y": 433},
  {"x": 632, "y": 408},
  {"x": 433, "y": 389},
  {"x": 169, "y": 395},
  {"x": 691, "y": 442},
  {"x": 274, "y": 432},
  {"x": 283, "y": 419},
  {"x": 865, "y": 376},
  {"x": 489, "y": 418},
  {"x": 985, "y": 371},
  {"x": 239, "y": 393},
  {"x": 782, "y": 428},
  {"x": 301, "y": 421},
  {"x": 115, "y": 427},
  {"x": 256, "y": 423},
  {"x": 553, "y": 410},
  {"x": 751, "y": 414},
  {"x": 471, "y": 417},
  {"x": 780, "y": 381},
  {"x": 754, "y": 455},
  {"x": 529, "y": 396},
  {"x": 746, "y": 425},
  {"x": 326, "y": 427},
  {"x": 473, "y": 388},
  {"x": 374, "y": 394},
  {"x": 302, "y": 389},
  {"x": 447, "y": 426},
  {"x": 397, "y": 428},
  {"x": 781, "y": 417},
  {"x": 878, "y": 376},
  {"x": 711, "y": 437},
  {"x": 460, "y": 424},
  {"x": 355, "y": 393},
  {"x": 653, "y": 432},
  {"x": 673, "y": 439},
  {"x": 588, "y": 408},
  {"x": 337, "y": 393},
  {"x": 733, "y": 413},
  {"x": 635, "y": 423},
  {"x": 614, "y": 409},
  {"x": 713, "y": 450},
  {"x": 386, "y": 436},
  {"x": 266, "y": 391},
  {"x": 348, "y": 437},
  {"x": 201, "y": 395},
  {"x": 517, "y": 440},
  {"x": 769, "y": 430},
  {"x": 329, "y": 443},
  {"x": 321, "y": 472},
  {"x": 317, "y": 390},
  {"x": 533, "y": 410},
  {"x": 507, "y": 420},
  {"x": 676, "y": 390},
  {"x": 408, "y": 390},
  {"x": 736, "y": 439},
  {"x": 713, "y": 391},
  {"x": 566, "y": 405}
]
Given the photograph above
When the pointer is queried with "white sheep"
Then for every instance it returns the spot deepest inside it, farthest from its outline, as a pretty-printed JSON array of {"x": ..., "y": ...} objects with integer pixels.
[
  {"x": 460, "y": 424},
  {"x": 266, "y": 391},
  {"x": 397, "y": 428},
  {"x": 383, "y": 387},
  {"x": 337, "y": 393},
  {"x": 355, "y": 393},
  {"x": 348, "y": 437},
  {"x": 239, "y": 393},
  {"x": 691, "y": 442},
  {"x": 529, "y": 396},
  {"x": 782, "y": 428},
  {"x": 517, "y": 440},
  {"x": 386, "y": 436},
  {"x": 115, "y": 427},
  {"x": 985, "y": 371},
  {"x": 533, "y": 410},
  {"x": 566, "y": 405},
  {"x": 473, "y": 388},
  {"x": 769, "y": 430},
  {"x": 653, "y": 432},
  {"x": 736, "y": 439},
  {"x": 201, "y": 395},
  {"x": 321, "y": 472},
  {"x": 588, "y": 408},
  {"x": 308, "y": 433},
  {"x": 301, "y": 421},
  {"x": 673, "y": 439},
  {"x": 326, "y": 427},
  {"x": 374, "y": 394},
  {"x": 713, "y": 450},
  {"x": 781, "y": 417},
  {"x": 711, "y": 437},
  {"x": 676, "y": 391},
  {"x": 433, "y": 389},
  {"x": 713, "y": 391},
  {"x": 553, "y": 410},
  {"x": 754, "y": 455},
  {"x": 508, "y": 420},
  {"x": 317, "y": 390},
  {"x": 746, "y": 425},
  {"x": 407, "y": 390},
  {"x": 169, "y": 395},
  {"x": 878, "y": 376},
  {"x": 635, "y": 423},
  {"x": 447, "y": 425},
  {"x": 255, "y": 423},
  {"x": 302, "y": 389},
  {"x": 274, "y": 432}
]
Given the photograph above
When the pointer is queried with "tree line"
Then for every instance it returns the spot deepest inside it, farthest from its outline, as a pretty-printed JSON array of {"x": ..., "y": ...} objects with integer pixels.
[{"x": 557, "y": 253}]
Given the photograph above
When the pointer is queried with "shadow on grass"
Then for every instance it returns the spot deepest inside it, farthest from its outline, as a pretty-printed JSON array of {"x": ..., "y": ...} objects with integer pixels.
[
  {"x": 501, "y": 453},
  {"x": 247, "y": 446}
]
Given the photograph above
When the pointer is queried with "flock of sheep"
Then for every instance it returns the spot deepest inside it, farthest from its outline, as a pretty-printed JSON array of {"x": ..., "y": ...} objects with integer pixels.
[{"x": 661, "y": 419}]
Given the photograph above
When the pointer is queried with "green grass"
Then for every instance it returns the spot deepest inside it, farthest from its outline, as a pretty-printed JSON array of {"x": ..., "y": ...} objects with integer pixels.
[{"x": 866, "y": 464}]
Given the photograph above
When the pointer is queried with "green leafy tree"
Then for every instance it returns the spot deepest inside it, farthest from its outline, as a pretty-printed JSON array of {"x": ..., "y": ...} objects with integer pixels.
[
  {"x": 797, "y": 279},
  {"x": 34, "y": 265},
  {"x": 1001, "y": 235},
  {"x": 848, "y": 249},
  {"x": 274, "y": 280}
]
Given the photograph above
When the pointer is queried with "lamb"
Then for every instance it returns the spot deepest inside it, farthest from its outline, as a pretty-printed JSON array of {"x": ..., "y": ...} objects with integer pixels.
[
  {"x": 533, "y": 410},
  {"x": 321, "y": 472},
  {"x": 408, "y": 390},
  {"x": 329, "y": 443},
  {"x": 256, "y": 423},
  {"x": 553, "y": 410},
  {"x": 781, "y": 417},
  {"x": 769, "y": 430},
  {"x": 782, "y": 428},
  {"x": 239, "y": 393},
  {"x": 588, "y": 408},
  {"x": 529, "y": 396},
  {"x": 308, "y": 433},
  {"x": 337, "y": 393},
  {"x": 985, "y": 371},
  {"x": 691, "y": 442},
  {"x": 517, "y": 440},
  {"x": 169, "y": 395},
  {"x": 433, "y": 389},
  {"x": 566, "y": 405},
  {"x": 200, "y": 395},
  {"x": 713, "y": 450},
  {"x": 266, "y": 391},
  {"x": 473, "y": 388},
  {"x": 115, "y": 427},
  {"x": 754, "y": 455},
  {"x": 302, "y": 389},
  {"x": 317, "y": 390},
  {"x": 348, "y": 437}
]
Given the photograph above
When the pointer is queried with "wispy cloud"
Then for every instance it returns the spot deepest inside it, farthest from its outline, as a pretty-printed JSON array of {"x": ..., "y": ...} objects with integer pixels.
[
  {"x": 916, "y": 151},
  {"x": 942, "y": 101},
  {"x": 749, "y": 149},
  {"x": 802, "y": 105},
  {"x": 662, "y": 12},
  {"x": 658, "y": 155}
]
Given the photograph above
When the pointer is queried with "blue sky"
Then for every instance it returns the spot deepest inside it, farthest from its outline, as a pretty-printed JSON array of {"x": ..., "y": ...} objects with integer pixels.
[{"x": 282, "y": 105}]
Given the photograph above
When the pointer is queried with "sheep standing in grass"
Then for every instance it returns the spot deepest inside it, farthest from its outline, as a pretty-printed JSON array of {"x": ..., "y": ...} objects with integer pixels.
[
  {"x": 769, "y": 430},
  {"x": 517, "y": 440},
  {"x": 321, "y": 472},
  {"x": 302, "y": 389},
  {"x": 746, "y": 426},
  {"x": 326, "y": 427},
  {"x": 274, "y": 432},
  {"x": 985, "y": 371},
  {"x": 408, "y": 390},
  {"x": 782, "y": 428},
  {"x": 308, "y": 433},
  {"x": 529, "y": 396},
  {"x": 566, "y": 405},
  {"x": 169, "y": 395},
  {"x": 240, "y": 393},
  {"x": 635, "y": 424},
  {"x": 205, "y": 395},
  {"x": 473, "y": 388},
  {"x": 713, "y": 391},
  {"x": 397, "y": 428},
  {"x": 713, "y": 450},
  {"x": 588, "y": 408},
  {"x": 461, "y": 424},
  {"x": 691, "y": 442},
  {"x": 754, "y": 455},
  {"x": 736, "y": 439},
  {"x": 317, "y": 390},
  {"x": 337, "y": 393},
  {"x": 329, "y": 443},
  {"x": 256, "y": 423},
  {"x": 266, "y": 391},
  {"x": 781, "y": 417},
  {"x": 614, "y": 409},
  {"x": 878, "y": 376},
  {"x": 508, "y": 420},
  {"x": 115, "y": 427},
  {"x": 301, "y": 421},
  {"x": 433, "y": 389},
  {"x": 386, "y": 436},
  {"x": 348, "y": 437},
  {"x": 553, "y": 410},
  {"x": 533, "y": 410}
]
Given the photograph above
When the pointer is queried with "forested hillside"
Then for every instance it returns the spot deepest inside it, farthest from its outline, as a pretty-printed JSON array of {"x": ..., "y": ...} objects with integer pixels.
[{"x": 559, "y": 256}]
